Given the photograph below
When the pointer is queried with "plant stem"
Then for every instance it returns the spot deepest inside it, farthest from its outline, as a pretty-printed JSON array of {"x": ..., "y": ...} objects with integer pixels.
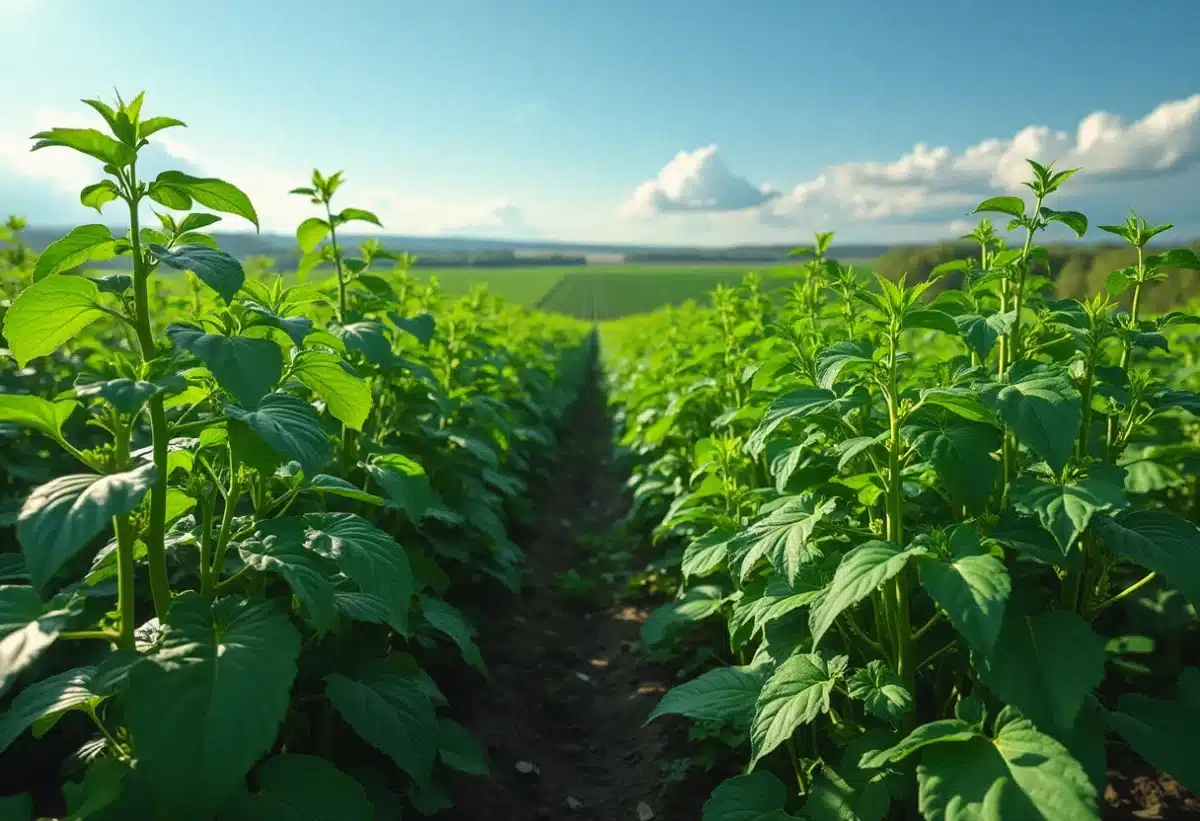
[
  {"x": 231, "y": 500},
  {"x": 925, "y": 628},
  {"x": 155, "y": 535},
  {"x": 126, "y": 594},
  {"x": 1127, "y": 592},
  {"x": 1127, "y": 349},
  {"x": 83, "y": 635},
  {"x": 337, "y": 264}
]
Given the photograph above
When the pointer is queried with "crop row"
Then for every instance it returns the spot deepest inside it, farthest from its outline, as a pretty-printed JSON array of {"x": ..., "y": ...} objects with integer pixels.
[
  {"x": 241, "y": 509},
  {"x": 946, "y": 545}
]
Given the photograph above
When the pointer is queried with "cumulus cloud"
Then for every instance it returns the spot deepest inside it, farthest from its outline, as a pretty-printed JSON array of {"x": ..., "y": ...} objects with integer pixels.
[{"x": 697, "y": 181}]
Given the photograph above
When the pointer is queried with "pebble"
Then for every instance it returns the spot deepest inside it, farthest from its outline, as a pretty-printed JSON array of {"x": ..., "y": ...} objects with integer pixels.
[
  {"x": 574, "y": 803},
  {"x": 644, "y": 812},
  {"x": 528, "y": 768}
]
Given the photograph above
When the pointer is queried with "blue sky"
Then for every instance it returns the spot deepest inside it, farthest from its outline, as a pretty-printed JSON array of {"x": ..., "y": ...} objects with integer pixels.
[{"x": 658, "y": 120}]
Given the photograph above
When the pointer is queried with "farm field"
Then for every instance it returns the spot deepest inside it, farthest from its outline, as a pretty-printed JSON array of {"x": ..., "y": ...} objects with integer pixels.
[{"x": 609, "y": 542}]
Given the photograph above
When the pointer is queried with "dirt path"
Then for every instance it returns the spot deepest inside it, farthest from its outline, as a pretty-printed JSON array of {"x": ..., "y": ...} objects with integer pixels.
[{"x": 567, "y": 695}]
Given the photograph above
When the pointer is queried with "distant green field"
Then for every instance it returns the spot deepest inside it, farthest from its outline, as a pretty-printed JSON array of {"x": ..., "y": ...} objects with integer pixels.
[{"x": 603, "y": 292}]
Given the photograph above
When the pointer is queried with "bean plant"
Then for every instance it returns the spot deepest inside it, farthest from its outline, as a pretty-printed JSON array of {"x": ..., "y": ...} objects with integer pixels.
[
  {"x": 951, "y": 538},
  {"x": 225, "y": 614}
]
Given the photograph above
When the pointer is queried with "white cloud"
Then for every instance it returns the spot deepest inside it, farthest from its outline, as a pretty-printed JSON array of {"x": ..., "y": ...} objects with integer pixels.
[{"x": 696, "y": 181}]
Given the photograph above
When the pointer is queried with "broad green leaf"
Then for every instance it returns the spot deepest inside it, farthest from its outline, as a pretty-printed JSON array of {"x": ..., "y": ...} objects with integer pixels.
[
  {"x": 981, "y": 332},
  {"x": 973, "y": 591},
  {"x": 948, "y": 730},
  {"x": 37, "y": 413},
  {"x": 1013, "y": 206},
  {"x": 833, "y": 798},
  {"x": 1165, "y": 733},
  {"x": 99, "y": 788},
  {"x": 310, "y": 233},
  {"x": 361, "y": 607},
  {"x": 369, "y": 339},
  {"x": 194, "y": 222},
  {"x": 705, "y": 555},
  {"x": 211, "y": 193},
  {"x": 87, "y": 141},
  {"x": 960, "y": 401},
  {"x": 783, "y": 537},
  {"x": 797, "y": 404},
  {"x": 1067, "y": 510},
  {"x": 837, "y": 357},
  {"x": 348, "y": 214},
  {"x": 446, "y": 619},
  {"x": 126, "y": 395},
  {"x": 404, "y": 482},
  {"x": 26, "y": 630},
  {"x": 420, "y": 326},
  {"x": 459, "y": 750},
  {"x": 1044, "y": 665},
  {"x": 296, "y": 327},
  {"x": 727, "y": 694},
  {"x": 324, "y": 483},
  {"x": 17, "y": 807},
  {"x": 929, "y": 319},
  {"x": 1042, "y": 406},
  {"x": 750, "y": 797},
  {"x": 306, "y": 572},
  {"x": 290, "y": 427},
  {"x": 860, "y": 572},
  {"x": 216, "y": 269},
  {"x": 697, "y": 604},
  {"x": 292, "y": 787},
  {"x": 388, "y": 710},
  {"x": 61, "y": 517},
  {"x": 1020, "y": 775},
  {"x": 795, "y": 694},
  {"x": 345, "y": 394},
  {"x": 881, "y": 691},
  {"x": 247, "y": 368},
  {"x": 56, "y": 694},
  {"x": 1157, "y": 541},
  {"x": 1074, "y": 220},
  {"x": 961, "y": 453},
  {"x": 368, "y": 556},
  {"x": 87, "y": 242},
  {"x": 209, "y": 698},
  {"x": 48, "y": 313}
]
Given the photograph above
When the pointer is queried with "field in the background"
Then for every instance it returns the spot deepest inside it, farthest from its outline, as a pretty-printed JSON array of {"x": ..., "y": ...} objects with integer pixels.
[{"x": 604, "y": 292}]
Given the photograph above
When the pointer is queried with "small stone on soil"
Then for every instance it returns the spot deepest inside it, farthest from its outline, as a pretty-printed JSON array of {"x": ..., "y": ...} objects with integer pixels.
[
  {"x": 644, "y": 812},
  {"x": 574, "y": 803},
  {"x": 528, "y": 768}
]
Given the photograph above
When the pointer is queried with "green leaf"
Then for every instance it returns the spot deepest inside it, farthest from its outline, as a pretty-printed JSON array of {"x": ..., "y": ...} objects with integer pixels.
[
  {"x": 54, "y": 695},
  {"x": 216, "y": 269},
  {"x": 960, "y": 401},
  {"x": 345, "y": 394},
  {"x": 1042, "y": 406},
  {"x": 961, "y": 453},
  {"x": 388, "y": 710},
  {"x": 705, "y": 555},
  {"x": 1165, "y": 733},
  {"x": 26, "y": 630},
  {"x": 404, "y": 481},
  {"x": 153, "y": 125},
  {"x": 420, "y": 326},
  {"x": 306, "y": 572},
  {"x": 369, "y": 339},
  {"x": 169, "y": 196},
  {"x": 194, "y": 222},
  {"x": 831, "y": 361},
  {"x": 87, "y": 141},
  {"x": 87, "y": 242},
  {"x": 1067, "y": 510},
  {"x": 697, "y": 604},
  {"x": 48, "y": 313},
  {"x": 929, "y": 319},
  {"x": 800, "y": 403},
  {"x": 292, "y": 787},
  {"x": 37, "y": 413},
  {"x": 100, "y": 787},
  {"x": 209, "y": 698},
  {"x": 1020, "y": 775},
  {"x": 126, "y": 395},
  {"x": 746, "y": 798},
  {"x": 247, "y": 368},
  {"x": 795, "y": 694},
  {"x": 310, "y": 233},
  {"x": 357, "y": 214},
  {"x": 17, "y": 807},
  {"x": 861, "y": 571},
  {"x": 948, "y": 730},
  {"x": 1013, "y": 206},
  {"x": 368, "y": 556},
  {"x": 296, "y": 327},
  {"x": 1044, "y": 665},
  {"x": 1157, "y": 541},
  {"x": 727, "y": 694},
  {"x": 973, "y": 591},
  {"x": 211, "y": 193},
  {"x": 981, "y": 332},
  {"x": 459, "y": 750},
  {"x": 881, "y": 691},
  {"x": 446, "y": 619},
  {"x": 784, "y": 535},
  {"x": 62, "y": 516},
  {"x": 1074, "y": 220},
  {"x": 290, "y": 426}
]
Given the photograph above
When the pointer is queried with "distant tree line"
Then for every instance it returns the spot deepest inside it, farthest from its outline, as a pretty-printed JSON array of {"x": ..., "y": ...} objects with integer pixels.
[
  {"x": 494, "y": 259},
  {"x": 742, "y": 253},
  {"x": 1078, "y": 271}
]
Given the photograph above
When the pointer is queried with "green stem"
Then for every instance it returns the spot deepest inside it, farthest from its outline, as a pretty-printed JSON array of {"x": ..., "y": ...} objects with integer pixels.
[
  {"x": 1127, "y": 592},
  {"x": 126, "y": 592},
  {"x": 1085, "y": 398},
  {"x": 231, "y": 500},
  {"x": 206, "y": 543},
  {"x": 83, "y": 635},
  {"x": 925, "y": 628},
  {"x": 1127, "y": 349}
]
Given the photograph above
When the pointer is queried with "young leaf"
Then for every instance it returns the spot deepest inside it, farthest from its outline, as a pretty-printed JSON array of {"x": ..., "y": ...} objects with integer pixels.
[
  {"x": 87, "y": 242},
  {"x": 37, "y": 413},
  {"x": 783, "y": 536},
  {"x": 1013, "y": 206},
  {"x": 1074, "y": 220},
  {"x": 87, "y": 141},
  {"x": 290, "y": 427},
  {"x": 247, "y": 368},
  {"x": 726, "y": 694},
  {"x": 208, "y": 700},
  {"x": 48, "y": 313},
  {"x": 881, "y": 691},
  {"x": 98, "y": 194},
  {"x": 450, "y": 622},
  {"x": 292, "y": 786},
  {"x": 388, "y": 710},
  {"x": 331, "y": 378},
  {"x": 799, "y": 403},
  {"x": 861, "y": 571},
  {"x": 795, "y": 694},
  {"x": 837, "y": 357},
  {"x": 310, "y": 233},
  {"x": 973, "y": 591},
  {"x": 194, "y": 222},
  {"x": 459, "y": 750},
  {"x": 357, "y": 214},
  {"x": 62, "y": 516},
  {"x": 216, "y": 269},
  {"x": 705, "y": 555},
  {"x": 1042, "y": 406},
  {"x": 211, "y": 193},
  {"x": 698, "y": 604},
  {"x": 420, "y": 326}
]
